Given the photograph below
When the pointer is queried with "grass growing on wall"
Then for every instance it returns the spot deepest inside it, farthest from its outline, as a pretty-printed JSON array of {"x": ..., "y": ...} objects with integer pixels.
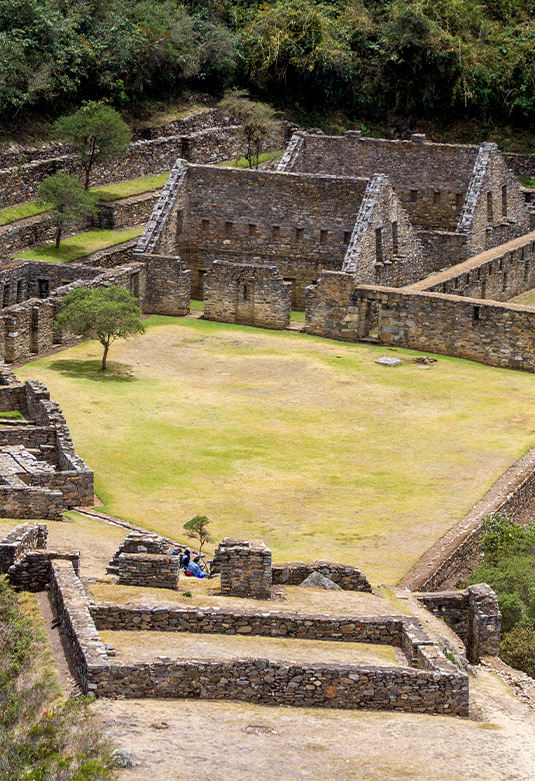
[
  {"x": 79, "y": 246},
  {"x": 145, "y": 184},
  {"x": 305, "y": 443},
  {"x": 265, "y": 157}
]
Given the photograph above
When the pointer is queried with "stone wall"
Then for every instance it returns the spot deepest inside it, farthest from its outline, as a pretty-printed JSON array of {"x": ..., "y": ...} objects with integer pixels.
[
  {"x": 33, "y": 572},
  {"x": 384, "y": 248},
  {"x": 144, "y": 158},
  {"x": 301, "y": 224},
  {"x": 245, "y": 568},
  {"x": 429, "y": 179},
  {"x": 488, "y": 332},
  {"x": 149, "y": 570},
  {"x": 442, "y": 249},
  {"x": 247, "y": 294},
  {"x": 19, "y": 541},
  {"x": 474, "y": 616},
  {"x": 168, "y": 285},
  {"x": 520, "y": 165},
  {"x": 348, "y": 578},
  {"x": 498, "y": 274}
]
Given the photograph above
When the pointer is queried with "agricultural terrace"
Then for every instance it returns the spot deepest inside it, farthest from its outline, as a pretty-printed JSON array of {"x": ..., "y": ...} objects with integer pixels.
[{"x": 303, "y": 442}]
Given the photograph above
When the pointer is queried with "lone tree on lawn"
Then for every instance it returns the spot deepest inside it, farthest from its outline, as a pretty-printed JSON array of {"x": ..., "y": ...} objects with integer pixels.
[
  {"x": 96, "y": 132},
  {"x": 68, "y": 200},
  {"x": 197, "y": 529},
  {"x": 103, "y": 313}
]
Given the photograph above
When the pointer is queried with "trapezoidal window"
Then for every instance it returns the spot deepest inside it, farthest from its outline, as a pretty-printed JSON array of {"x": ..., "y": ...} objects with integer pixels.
[
  {"x": 476, "y": 313},
  {"x": 378, "y": 245},
  {"x": 252, "y": 229},
  {"x": 275, "y": 232},
  {"x": 228, "y": 228},
  {"x": 299, "y": 234},
  {"x": 205, "y": 226},
  {"x": 414, "y": 196},
  {"x": 6, "y": 295},
  {"x": 436, "y": 198},
  {"x": 246, "y": 292},
  {"x": 347, "y": 237},
  {"x": 504, "y": 200},
  {"x": 459, "y": 200},
  {"x": 504, "y": 281},
  {"x": 490, "y": 208},
  {"x": 323, "y": 236}
]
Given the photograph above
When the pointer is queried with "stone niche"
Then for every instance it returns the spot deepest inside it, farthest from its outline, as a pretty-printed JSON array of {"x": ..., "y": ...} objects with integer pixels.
[{"x": 245, "y": 567}]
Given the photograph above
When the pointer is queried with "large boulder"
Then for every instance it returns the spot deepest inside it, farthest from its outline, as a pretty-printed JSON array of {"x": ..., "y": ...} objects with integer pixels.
[{"x": 317, "y": 580}]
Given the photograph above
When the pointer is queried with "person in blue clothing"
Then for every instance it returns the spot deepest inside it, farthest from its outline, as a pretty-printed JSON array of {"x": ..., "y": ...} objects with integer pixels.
[
  {"x": 184, "y": 559},
  {"x": 194, "y": 568}
]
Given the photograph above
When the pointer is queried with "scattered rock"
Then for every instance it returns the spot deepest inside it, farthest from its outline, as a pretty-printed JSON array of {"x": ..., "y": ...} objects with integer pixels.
[
  {"x": 122, "y": 757},
  {"x": 387, "y": 360},
  {"x": 317, "y": 580},
  {"x": 258, "y": 729},
  {"x": 425, "y": 359},
  {"x": 160, "y": 725}
]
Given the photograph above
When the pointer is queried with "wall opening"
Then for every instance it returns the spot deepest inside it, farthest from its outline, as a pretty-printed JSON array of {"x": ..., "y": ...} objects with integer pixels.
[
  {"x": 134, "y": 285},
  {"x": 276, "y": 232},
  {"x": 299, "y": 234},
  {"x": 179, "y": 222},
  {"x": 414, "y": 196},
  {"x": 395, "y": 240},
  {"x": 476, "y": 313},
  {"x": 504, "y": 281},
  {"x": 459, "y": 200},
  {"x": 246, "y": 292},
  {"x": 43, "y": 288},
  {"x": 6, "y": 295},
  {"x": 526, "y": 270},
  {"x": 347, "y": 237},
  {"x": 378, "y": 245},
  {"x": 205, "y": 226},
  {"x": 20, "y": 291},
  {"x": 504, "y": 200},
  {"x": 252, "y": 229},
  {"x": 436, "y": 198},
  {"x": 490, "y": 208},
  {"x": 228, "y": 228},
  {"x": 323, "y": 236}
]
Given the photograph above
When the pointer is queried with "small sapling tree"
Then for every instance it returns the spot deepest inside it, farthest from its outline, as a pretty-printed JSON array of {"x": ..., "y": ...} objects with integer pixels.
[
  {"x": 197, "y": 529},
  {"x": 68, "y": 200},
  {"x": 96, "y": 132},
  {"x": 103, "y": 313}
]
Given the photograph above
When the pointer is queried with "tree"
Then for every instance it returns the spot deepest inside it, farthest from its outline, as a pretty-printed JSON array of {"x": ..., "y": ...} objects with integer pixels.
[
  {"x": 197, "y": 529},
  {"x": 68, "y": 199},
  {"x": 258, "y": 123},
  {"x": 96, "y": 132},
  {"x": 103, "y": 313}
]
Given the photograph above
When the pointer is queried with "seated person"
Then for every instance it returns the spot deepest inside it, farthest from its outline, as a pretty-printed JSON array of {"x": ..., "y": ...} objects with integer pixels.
[
  {"x": 184, "y": 559},
  {"x": 194, "y": 568}
]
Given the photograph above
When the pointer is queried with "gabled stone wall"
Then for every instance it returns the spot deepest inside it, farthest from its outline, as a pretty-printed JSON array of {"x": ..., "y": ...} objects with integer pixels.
[{"x": 247, "y": 294}]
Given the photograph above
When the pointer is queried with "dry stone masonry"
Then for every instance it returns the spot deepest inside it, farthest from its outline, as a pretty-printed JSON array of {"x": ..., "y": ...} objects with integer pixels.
[
  {"x": 295, "y": 572},
  {"x": 149, "y": 570},
  {"x": 245, "y": 568}
]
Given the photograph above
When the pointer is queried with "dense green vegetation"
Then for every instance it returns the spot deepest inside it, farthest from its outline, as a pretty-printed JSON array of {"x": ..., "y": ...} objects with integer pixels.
[
  {"x": 443, "y": 59},
  {"x": 508, "y": 568},
  {"x": 41, "y": 735}
]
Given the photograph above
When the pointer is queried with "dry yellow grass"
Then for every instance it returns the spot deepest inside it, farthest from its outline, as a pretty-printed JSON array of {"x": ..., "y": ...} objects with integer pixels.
[
  {"x": 183, "y": 645},
  {"x": 302, "y": 442}
]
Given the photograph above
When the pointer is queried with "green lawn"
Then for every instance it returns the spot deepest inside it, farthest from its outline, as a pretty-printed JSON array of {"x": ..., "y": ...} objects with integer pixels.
[
  {"x": 528, "y": 181},
  {"x": 303, "y": 442},
  {"x": 79, "y": 246},
  {"x": 146, "y": 184},
  {"x": 20, "y": 212}
]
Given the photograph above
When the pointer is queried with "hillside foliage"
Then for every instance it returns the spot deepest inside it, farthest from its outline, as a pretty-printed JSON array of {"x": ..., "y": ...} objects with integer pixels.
[{"x": 426, "y": 58}]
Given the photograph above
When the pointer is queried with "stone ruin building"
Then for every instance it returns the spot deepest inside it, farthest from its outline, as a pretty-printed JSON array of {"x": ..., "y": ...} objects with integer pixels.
[{"x": 401, "y": 243}]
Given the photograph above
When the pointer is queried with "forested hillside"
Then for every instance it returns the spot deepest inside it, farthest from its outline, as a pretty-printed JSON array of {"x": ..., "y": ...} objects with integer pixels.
[{"x": 438, "y": 59}]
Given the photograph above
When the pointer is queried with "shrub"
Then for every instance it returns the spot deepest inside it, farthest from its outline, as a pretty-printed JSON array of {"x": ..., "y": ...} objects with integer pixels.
[{"x": 517, "y": 648}]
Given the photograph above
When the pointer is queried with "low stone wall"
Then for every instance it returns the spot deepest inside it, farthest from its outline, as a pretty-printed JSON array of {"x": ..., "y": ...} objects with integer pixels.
[
  {"x": 294, "y": 572},
  {"x": 26, "y": 502},
  {"x": 474, "y": 616},
  {"x": 20, "y": 540},
  {"x": 149, "y": 570},
  {"x": 248, "y": 294},
  {"x": 436, "y": 687},
  {"x": 87, "y": 651},
  {"x": 33, "y": 572},
  {"x": 245, "y": 568}
]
